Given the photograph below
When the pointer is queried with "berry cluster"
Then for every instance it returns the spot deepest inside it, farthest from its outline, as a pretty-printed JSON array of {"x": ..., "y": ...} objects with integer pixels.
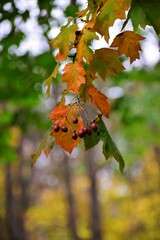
[{"x": 81, "y": 133}]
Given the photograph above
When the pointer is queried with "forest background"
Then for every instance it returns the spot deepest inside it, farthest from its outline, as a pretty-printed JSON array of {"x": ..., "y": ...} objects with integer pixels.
[{"x": 78, "y": 196}]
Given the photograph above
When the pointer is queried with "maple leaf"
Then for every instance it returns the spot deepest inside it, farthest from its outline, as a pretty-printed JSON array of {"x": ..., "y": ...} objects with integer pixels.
[
  {"x": 60, "y": 111},
  {"x": 144, "y": 12},
  {"x": 45, "y": 146},
  {"x": 111, "y": 10},
  {"x": 64, "y": 139},
  {"x": 128, "y": 44},
  {"x": 48, "y": 82},
  {"x": 99, "y": 100},
  {"x": 60, "y": 57},
  {"x": 106, "y": 62},
  {"x": 83, "y": 49},
  {"x": 73, "y": 76},
  {"x": 65, "y": 37}
]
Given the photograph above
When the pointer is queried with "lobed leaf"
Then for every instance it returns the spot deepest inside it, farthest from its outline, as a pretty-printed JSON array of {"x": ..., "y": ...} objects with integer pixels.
[
  {"x": 66, "y": 37},
  {"x": 73, "y": 76},
  {"x": 64, "y": 139},
  {"x": 128, "y": 44},
  {"x": 60, "y": 111},
  {"x": 83, "y": 50},
  {"x": 111, "y": 10},
  {"x": 106, "y": 62}
]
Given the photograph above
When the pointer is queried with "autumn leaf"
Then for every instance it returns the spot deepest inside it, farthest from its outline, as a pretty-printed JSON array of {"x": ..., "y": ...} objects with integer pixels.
[
  {"x": 60, "y": 111},
  {"x": 64, "y": 139},
  {"x": 99, "y": 100},
  {"x": 48, "y": 82},
  {"x": 90, "y": 24},
  {"x": 45, "y": 146},
  {"x": 106, "y": 62},
  {"x": 111, "y": 10},
  {"x": 128, "y": 44},
  {"x": 60, "y": 57},
  {"x": 73, "y": 76},
  {"x": 83, "y": 50},
  {"x": 65, "y": 37}
]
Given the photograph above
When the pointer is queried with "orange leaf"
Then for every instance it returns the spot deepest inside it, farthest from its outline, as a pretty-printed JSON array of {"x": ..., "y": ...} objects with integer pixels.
[
  {"x": 73, "y": 76},
  {"x": 106, "y": 62},
  {"x": 58, "y": 112},
  {"x": 128, "y": 44},
  {"x": 99, "y": 100},
  {"x": 64, "y": 139},
  {"x": 60, "y": 57}
]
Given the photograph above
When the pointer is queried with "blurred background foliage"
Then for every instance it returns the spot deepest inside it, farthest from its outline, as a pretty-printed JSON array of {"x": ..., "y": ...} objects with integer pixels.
[{"x": 79, "y": 196}]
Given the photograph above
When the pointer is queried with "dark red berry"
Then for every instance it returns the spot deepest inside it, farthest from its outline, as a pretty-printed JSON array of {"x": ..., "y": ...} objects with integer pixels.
[
  {"x": 64, "y": 128},
  {"x": 75, "y": 120},
  {"x": 81, "y": 133},
  {"x": 74, "y": 136},
  {"x": 84, "y": 130},
  {"x": 94, "y": 127},
  {"x": 56, "y": 127},
  {"x": 89, "y": 131}
]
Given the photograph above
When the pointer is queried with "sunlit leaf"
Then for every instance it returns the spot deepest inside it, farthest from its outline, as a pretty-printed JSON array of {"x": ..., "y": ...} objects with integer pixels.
[
  {"x": 65, "y": 37},
  {"x": 83, "y": 50}
]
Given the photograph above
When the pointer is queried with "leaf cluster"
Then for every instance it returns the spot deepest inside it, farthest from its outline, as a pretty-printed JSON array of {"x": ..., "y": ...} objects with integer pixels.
[{"x": 83, "y": 65}]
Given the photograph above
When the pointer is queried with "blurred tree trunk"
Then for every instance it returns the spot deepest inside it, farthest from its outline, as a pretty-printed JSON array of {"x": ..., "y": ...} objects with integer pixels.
[
  {"x": 14, "y": 212},
  {"x": 95, "y": 208},
  {"x": 70, "y": 198},
  {"x": 17, "y": 178}
]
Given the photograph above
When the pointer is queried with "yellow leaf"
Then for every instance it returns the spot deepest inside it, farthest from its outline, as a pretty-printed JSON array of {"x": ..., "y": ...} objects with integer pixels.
[
  {"x": 65, "y": 37},
  {"x": 128, "y": 44},
  {"x": 83, "y": 50}
]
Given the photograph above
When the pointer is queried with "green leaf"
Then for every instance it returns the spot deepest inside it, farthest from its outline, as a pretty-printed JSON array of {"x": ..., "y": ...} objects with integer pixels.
[
  {"x": 111, "y": 10},
  {"x": 65, "y": 38},
  {"x": 46, "y": 146},
  {"x": 109, "y": 147},
  {"x": 106, "y": 62},
  {"x": 83, "y": 49},
  {"x": 144, "y": 12},
  {"x": 91, "y": 141},
  {"x": 48, "y": 82}
]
